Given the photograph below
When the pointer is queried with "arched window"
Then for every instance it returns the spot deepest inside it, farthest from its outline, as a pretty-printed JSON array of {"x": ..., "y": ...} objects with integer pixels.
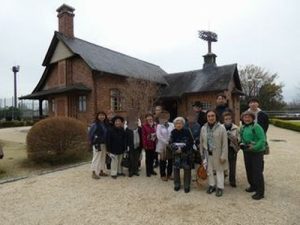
[{"x": 115, "y": 100}]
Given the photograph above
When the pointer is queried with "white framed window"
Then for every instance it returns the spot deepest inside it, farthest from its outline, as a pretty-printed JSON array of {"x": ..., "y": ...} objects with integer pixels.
[
  {"x": 206, "y": 106},
  {"x": 82, "y": 103},
  {"x": 52, "y": 105},
  {"x": 115, "y": 100}
]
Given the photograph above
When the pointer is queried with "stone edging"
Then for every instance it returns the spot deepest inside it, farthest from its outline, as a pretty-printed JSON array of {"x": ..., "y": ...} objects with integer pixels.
[{"x": 10, "y": 180}]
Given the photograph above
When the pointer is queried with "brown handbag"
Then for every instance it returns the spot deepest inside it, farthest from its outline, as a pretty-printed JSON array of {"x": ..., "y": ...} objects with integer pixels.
[
  {"x": 1, "y": 152},
  {"x": 201, "y": 172}
]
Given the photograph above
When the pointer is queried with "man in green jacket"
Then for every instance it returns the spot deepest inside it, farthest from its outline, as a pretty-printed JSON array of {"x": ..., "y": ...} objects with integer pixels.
[{"x": 253, "y": 141}]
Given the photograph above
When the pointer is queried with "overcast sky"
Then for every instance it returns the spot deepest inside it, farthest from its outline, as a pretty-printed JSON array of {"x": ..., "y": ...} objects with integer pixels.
[{"x": 164, "y": 32}]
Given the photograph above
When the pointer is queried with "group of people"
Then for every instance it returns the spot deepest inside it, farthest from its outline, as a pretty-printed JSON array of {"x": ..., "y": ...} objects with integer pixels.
[{"x": 208, "y": 139}]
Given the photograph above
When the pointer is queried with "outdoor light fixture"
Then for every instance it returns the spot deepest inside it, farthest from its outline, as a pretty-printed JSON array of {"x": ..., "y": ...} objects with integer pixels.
[{"x": 15, "y": 70}]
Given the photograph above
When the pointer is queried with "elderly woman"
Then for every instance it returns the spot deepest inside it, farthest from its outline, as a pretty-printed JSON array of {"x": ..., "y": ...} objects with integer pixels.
[
  {"x": 182, "y": 147},
  {"x": 214, "y": 150},
  {"x": 149, "y": 143},
  {"x": 163, "y": 134},
  {"x": 253, "y": 142}
]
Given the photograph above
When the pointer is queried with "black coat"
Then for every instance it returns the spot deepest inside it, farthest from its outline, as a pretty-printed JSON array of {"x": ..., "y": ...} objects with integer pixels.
[
  {"x": 263, "y": 120},
  {"x": 182, "y": 136},
  {"x": 116, "y": 140},
  {"x": 202, "y": 118},
  {"x": 220, "y": 109},
  {"x": 130, "y": 141}
]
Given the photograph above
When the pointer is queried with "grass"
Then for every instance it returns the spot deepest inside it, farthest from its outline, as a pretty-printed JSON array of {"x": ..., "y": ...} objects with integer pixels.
[
  {"x": 287, "y": 124},
  {"x": 16, "y": 164}
]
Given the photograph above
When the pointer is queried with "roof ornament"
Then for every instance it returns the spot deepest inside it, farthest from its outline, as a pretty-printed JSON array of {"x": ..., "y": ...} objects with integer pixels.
[{"x": 208, "y": 36}]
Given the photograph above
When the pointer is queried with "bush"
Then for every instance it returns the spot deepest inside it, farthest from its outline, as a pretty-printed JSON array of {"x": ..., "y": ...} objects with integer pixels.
[
  {"x": 15, "y": 123},
  {"x": 286, "y": 124},
  {"x": 56, "y": 140}
]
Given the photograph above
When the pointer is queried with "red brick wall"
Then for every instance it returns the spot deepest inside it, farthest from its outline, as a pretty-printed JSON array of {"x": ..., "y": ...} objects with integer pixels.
[
  {"x": 52, "y": 80},
  {"x": 65, "y": 24},
  {"x": 81, "y": 73},
  {"x": 104, "y": 84},
  {"x": 185, "y": 104}
]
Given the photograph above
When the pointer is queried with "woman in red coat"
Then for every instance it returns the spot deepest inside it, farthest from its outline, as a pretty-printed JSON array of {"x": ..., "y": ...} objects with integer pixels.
[{"x": 149, "y": 143}]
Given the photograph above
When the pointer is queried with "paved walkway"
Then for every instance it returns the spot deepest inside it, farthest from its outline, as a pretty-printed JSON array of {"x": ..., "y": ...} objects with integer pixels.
[
  {"x": 72, "y": 197},
  {"x": 15, "y": 134}
]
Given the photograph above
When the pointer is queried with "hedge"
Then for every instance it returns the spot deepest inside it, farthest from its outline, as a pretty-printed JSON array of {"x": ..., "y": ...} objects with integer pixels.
[
  {"x": 15, "y": 123},
  {"x": 286, "y": 124},
  {"x": 57, "y": 140}
]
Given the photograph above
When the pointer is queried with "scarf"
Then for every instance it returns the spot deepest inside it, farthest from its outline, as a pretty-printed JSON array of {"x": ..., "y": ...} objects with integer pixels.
[{"x": 210, "y": 136}]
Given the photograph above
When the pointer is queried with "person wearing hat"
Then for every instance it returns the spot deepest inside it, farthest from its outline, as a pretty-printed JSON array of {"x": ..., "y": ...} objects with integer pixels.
[
  {"x": 116, "y": 146},
  {"x": 181, "y": 143},
  {"x": 253, "y": 145},
  {"x": 163, "y": 134},
  {"x": 201, "y": 116}
]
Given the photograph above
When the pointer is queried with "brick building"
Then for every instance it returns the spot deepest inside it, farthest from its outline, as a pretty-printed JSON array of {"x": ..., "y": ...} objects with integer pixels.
[{"x": 81, "y": 78}]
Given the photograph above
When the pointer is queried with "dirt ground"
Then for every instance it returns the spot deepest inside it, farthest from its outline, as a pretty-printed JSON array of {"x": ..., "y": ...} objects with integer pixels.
[{"x": 72, "y": 197}]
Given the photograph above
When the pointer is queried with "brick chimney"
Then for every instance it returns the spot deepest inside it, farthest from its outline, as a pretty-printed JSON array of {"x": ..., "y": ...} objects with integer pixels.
[{"x": 66, "y": 20}]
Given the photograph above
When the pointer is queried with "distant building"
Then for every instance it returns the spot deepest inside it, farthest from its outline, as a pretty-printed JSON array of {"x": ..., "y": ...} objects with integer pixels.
[{"x": 81, "y": 78}]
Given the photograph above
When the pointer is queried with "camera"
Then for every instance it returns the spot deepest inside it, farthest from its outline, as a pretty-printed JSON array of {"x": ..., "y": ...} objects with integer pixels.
[
  {"x": 244, "y": 146},
  {"x": 97, "y": 147}
]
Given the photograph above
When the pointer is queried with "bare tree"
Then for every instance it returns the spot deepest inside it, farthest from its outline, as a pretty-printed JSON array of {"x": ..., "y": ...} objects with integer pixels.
[
  {"x": 261, "y": 84},
  {"x": 140, "y": 95}
]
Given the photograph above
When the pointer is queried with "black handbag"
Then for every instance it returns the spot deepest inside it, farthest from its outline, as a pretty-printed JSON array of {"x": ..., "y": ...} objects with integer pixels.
[
  {"x": 125, "y": 160},
  {"x": 196, "y": 152}
]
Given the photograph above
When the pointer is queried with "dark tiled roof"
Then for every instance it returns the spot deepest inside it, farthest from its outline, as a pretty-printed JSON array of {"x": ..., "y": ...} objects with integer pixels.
[
  {"x": 60, "y": 90},
  {"x": 215, "y": 78},
  {"x": 102, "y": 59}
]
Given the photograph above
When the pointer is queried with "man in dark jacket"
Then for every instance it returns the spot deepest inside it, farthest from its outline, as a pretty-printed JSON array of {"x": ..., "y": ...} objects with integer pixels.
[
  {"x": 134, "y": 143},
  {"x": 197, "y": 108},
  {"x": 260, "y": 116},
  {"x": 221, "y": 107}
]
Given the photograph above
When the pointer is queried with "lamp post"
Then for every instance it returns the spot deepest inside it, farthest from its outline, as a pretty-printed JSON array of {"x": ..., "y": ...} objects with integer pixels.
[{"x": 15, "y": 70}]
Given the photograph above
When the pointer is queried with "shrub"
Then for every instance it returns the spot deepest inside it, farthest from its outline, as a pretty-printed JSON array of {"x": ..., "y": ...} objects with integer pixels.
[
  {"x": 56, "y": 140},
  {"x": 15, "y": 123},
  {"x": 286, "y": 124}
]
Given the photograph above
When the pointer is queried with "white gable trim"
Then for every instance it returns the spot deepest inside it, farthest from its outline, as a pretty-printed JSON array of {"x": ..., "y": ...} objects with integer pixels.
[{"x": 61, "y": 52}]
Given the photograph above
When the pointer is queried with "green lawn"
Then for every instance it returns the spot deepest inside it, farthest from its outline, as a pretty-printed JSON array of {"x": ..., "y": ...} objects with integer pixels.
[
  {"x": 16, "y": 164},
  {"x": 287, "y": 124}
]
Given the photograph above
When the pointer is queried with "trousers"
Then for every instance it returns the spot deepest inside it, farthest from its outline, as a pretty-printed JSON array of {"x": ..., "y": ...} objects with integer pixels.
[
  {"x": 98, "y": 161},
  {"x": 186, "y": 177},
  {"x": 116, "y": 167},
  {"x": 150, "y": 155},
  {"x": 254, "y": 163},
  {"x": 134, "y": 157},
  {"x": 213, "y": 180},
  {"x": 232, "y": 156}
]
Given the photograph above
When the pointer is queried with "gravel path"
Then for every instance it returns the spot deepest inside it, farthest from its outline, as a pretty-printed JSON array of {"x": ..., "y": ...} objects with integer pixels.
[{"x": 72, "y": 197}]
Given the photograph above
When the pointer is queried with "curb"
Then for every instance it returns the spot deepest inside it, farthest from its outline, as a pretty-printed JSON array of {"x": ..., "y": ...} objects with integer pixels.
[{"x": 10, "y": 180}]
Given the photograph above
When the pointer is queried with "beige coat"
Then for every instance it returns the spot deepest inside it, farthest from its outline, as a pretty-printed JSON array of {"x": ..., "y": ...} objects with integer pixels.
[
  {"x": 221, "y": 146},
  {"x": 234, "y": 136}
]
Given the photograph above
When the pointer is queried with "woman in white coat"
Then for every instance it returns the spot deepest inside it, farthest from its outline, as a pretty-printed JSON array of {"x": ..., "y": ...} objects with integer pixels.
[
  {"x": 214, "y": 151},
  {"x": 163, "y": 133}
]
